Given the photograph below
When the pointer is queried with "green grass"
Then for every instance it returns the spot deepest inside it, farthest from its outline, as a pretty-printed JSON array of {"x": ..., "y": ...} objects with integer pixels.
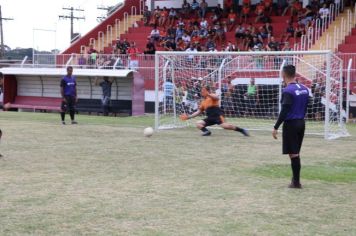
[
  {"x": 343, "y": 172},
  {"x": 102, "y": 177}
]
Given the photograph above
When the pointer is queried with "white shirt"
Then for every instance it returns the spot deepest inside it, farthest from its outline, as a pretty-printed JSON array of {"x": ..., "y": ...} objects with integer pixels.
[
  {"x": 186, "y": 38},
  {"x": 155, "y": 32},
  {"x": 324, "y": 12},
  {"x": 204, "y": 24}
]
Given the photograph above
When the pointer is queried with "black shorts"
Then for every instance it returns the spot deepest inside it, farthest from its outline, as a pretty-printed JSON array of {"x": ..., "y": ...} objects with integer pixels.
[
  {"x": 216, "y": 120},
  {"x": 293, "y": 134},
  {"x": 69, "y": 105}
]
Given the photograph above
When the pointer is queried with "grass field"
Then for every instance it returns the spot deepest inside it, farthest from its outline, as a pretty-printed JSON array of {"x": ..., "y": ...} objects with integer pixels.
[{"x": 102, "y": 177}]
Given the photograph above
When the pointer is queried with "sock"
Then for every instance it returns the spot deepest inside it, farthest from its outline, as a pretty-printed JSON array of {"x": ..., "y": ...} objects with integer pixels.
[
  {"x": 296, "y": 166},
  {"x": 71, "y": 113},
  {"x": 238, "y": 129},
  {"x": 63, "y": 115},
  {"x": 204, "y": 129}
]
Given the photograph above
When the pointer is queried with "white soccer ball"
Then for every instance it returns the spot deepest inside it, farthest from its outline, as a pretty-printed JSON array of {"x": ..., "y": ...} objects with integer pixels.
[{"x": 148, "y": 132}]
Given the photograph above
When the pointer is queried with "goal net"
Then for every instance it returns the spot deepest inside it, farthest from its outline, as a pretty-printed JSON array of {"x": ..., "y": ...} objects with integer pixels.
[{"x": 249, "y": 85}]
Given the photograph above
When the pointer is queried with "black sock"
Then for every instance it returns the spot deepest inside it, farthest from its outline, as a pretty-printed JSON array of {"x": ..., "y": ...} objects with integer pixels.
[
  {"x": 71, "y": 113},
  {"x": 238, "y": 129},
  {"x": 63, "y": 115},
  {"x": 296, "y": 166},
  {"x": 204, "y": 129}
]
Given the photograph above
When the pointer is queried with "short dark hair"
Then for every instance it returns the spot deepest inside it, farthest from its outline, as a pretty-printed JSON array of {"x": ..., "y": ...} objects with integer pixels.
[
  {"x": 207, "y": 87},
  {"x": 69, "y": 67},
  {"x": 289, "y": 71}
]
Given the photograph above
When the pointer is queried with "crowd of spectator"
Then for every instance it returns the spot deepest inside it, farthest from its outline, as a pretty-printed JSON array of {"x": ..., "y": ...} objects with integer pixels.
[{"x": 196, "y": 27}]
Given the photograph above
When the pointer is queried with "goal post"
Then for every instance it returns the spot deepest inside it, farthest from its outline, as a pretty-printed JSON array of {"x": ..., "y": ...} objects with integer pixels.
[{"x": 250, "y": 86}]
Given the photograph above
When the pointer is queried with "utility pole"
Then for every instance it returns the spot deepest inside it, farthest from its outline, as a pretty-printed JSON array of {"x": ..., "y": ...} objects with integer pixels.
[
  {"x": 103, "y": 8},
  {"x": 2, "y": 50},
  {"x": 72, "y": 18}
]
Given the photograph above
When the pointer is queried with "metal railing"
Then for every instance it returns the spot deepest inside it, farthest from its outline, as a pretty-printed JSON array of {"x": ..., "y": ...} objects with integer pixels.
[{"x": 319, "y": 27}]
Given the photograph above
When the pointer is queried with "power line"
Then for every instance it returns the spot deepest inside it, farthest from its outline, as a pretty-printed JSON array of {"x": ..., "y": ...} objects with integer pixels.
[
  {"x": 72, "y": 18},
  {"x": 2, "y": 53}
]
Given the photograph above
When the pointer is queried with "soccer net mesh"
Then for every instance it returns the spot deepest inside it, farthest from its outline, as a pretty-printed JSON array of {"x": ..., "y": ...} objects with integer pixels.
[{"x": 250, "y": 86}]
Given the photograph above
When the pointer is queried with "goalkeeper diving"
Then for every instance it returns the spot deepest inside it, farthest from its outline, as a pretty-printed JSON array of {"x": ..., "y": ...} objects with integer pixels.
[{"x": 210, "y": 104}]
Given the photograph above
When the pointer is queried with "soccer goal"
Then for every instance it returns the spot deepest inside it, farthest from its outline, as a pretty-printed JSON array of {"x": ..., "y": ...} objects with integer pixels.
[{"x": 250, "y": 86}]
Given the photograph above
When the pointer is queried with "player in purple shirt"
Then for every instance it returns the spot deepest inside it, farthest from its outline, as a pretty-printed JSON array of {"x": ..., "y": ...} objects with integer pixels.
[
  {"x": 295, "y": 98},
  {"x": 69, "y": 95}
]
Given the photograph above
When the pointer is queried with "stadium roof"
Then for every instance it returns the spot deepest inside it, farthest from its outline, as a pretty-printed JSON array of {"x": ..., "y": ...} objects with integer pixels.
[{"x": 62, "y": 71}]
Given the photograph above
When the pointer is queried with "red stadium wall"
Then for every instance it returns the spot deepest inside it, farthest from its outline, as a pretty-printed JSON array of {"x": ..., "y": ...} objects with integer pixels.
[{"x": 119, "y": 14}]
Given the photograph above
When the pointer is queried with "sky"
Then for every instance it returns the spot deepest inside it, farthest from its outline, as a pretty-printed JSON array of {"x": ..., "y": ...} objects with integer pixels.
[{"x": 33, "y": 19}]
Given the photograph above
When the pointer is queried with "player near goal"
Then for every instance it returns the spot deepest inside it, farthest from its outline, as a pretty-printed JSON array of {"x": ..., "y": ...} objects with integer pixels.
[
  {"x": 210, "y": 105},
  {"x": 295, "y": 99}
]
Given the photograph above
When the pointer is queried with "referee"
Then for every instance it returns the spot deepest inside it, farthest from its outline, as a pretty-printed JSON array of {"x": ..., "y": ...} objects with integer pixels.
[{"x": 294, "y": 106}]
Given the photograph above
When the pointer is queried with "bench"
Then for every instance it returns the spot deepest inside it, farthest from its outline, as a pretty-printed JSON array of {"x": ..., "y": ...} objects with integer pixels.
[
  {"x": 94, "y": 106},
  {"x": 37, "y": 103}
]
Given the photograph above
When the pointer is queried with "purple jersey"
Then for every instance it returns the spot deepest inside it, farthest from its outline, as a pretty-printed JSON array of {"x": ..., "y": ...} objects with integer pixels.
[
  {"x": 69, "y": 86},
  {"x": 296, "y": 95}
]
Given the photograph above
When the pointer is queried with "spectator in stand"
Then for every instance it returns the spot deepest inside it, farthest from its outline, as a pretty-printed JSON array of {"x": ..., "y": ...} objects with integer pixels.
[
  {"x": 231, "y": 19},
  {"x": 163, "y": 34},
  {"x": 286, "y": 47},
  {"x": 170, "y": 45},
  {"x": 215, "y": 18},
  {"x": 273, "y": 45},
  {"x": 268, "y": 6},
  {"x": 146, "y": 16},
  {"x": 203, "y": 33},
  {"x": 247, "y": 41},
  {"x": 172, "y": 31},
  {"x": 203, "y": 8},
  {"x": 125, "y": 46},
  {"x": 210, "y": 44},
  {"x": 255, "y": 44},
  {"x": 299, "y": 31},
  {"x": 228, "y": 6},
  {"x": 179, "y": 32},
  {"x": 324, "y": 12},
  {"x": 219, "y": 11},
  {"x": 245, "y": 12},
  {"x": 195, "y": 39},
  {"x": 230, "y": 47},
  {"x": 156, "y": 16},
  {"x": 150, "y": 47},
  {"x": 307, "y": 16},
  {"x": 180, "y": 45},
  {"x": 93, "y": 54},
  {"x": 186, "y": 38},
  {"x": 204, "y": 23},
  {"x": 296, "y": 7},
  {"x": 288, "y": 33},
  {"x": 211, "y": 32},
  {"x": 269, "y": 29},
  {"x": 195, "y": 8},
  {"x": 239, "y": 33},
  {"x": 315, "y": 5},
  {"x": 262, "y": 34},
  {"x": 155, "y": 35},
  {"x": 195, "y": 31},
  {"x": 172, "y": 16},
  {"x": 260, "y": 12},
  {"x": 289, "y": 6},
  {"x": 163, "y": 17},
  {"x": 191, "y": 48},
  {"x": 180, "y": 22},
  {"x": 220, "y": 33},
  {"x": 133, "y": 56},
  {"x": 185, "y": 9}
]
